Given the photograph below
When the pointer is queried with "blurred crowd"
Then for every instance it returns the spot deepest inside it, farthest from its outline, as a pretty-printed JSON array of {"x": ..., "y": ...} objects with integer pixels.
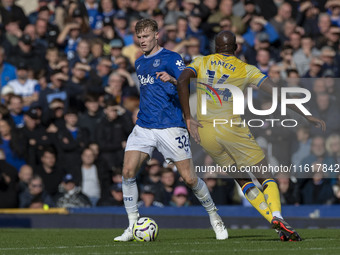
[{"x": 70, "y": 95}]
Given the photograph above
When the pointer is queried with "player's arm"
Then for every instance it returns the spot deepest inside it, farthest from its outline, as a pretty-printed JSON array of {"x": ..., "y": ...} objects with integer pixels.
[
  {"x": 267, "y": 86},
  {"x": 183, "y": 94}
]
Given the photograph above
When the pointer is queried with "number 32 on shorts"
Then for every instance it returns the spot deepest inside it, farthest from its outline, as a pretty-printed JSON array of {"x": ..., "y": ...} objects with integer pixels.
[{"x": 183, "y": 142}]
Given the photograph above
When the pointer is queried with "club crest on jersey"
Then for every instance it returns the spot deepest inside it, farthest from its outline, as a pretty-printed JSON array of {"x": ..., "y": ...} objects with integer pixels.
[{"x": 156, "y": 63}]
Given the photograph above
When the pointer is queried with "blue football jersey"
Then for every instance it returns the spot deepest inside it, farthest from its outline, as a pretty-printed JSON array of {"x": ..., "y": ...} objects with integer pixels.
[{"x": 159, "y": 102}]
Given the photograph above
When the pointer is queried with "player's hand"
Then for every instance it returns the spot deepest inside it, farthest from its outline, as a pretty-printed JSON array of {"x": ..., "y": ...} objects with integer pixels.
[
  {"x": 165, "y": 77},
  {"x": 317, "y": 122},
  {"x": 193, "y": 126}
]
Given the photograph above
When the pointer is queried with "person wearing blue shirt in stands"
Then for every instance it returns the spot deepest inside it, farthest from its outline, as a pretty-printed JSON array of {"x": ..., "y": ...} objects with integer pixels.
[{"x": 7, "y": 71}]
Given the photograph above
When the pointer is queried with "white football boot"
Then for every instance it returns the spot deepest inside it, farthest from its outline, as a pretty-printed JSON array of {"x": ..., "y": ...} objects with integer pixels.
[
  {"x": 219, "y": 228},
  {"x": 127, "y": 236}
]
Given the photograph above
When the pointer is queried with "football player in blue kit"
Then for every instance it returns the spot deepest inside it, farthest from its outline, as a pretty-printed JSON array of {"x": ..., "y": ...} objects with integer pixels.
[{"x": 160, "y": 125}]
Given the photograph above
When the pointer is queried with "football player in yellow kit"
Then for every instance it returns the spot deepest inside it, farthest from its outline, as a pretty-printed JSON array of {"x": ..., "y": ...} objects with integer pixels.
[{"x": 233, "y": 145}]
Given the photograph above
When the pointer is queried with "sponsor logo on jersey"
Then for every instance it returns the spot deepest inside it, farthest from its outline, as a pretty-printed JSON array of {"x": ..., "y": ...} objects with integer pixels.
[
  {"x": 180, "y": 65},
  {"x": 146, "y": 80}
]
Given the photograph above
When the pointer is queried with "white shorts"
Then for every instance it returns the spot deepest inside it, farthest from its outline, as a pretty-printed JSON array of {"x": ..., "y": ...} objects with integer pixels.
[{"x": 173, "y": 143}]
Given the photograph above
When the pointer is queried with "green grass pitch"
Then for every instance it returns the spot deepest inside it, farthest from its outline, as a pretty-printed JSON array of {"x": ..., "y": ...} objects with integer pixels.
[{"x": 170, "y": 241}]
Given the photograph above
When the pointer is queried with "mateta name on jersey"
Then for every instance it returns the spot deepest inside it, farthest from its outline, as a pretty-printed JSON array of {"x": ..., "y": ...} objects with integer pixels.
[{"x": 224, "y": 64}]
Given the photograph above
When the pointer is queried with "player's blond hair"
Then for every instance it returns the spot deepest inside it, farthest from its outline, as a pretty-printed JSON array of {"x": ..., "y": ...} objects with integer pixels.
[{"x": 145, "y": 24}]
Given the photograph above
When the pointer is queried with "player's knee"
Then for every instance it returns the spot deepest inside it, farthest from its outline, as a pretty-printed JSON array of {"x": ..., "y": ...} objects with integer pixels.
[
  {"x": 190, "y": 181},
  {"x": 128, "y": 172}
]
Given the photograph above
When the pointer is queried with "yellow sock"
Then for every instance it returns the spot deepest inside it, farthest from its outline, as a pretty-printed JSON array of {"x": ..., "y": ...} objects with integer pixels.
[
  {"x": 257, "y": 200},
  {"x": 272, "y": 196}
]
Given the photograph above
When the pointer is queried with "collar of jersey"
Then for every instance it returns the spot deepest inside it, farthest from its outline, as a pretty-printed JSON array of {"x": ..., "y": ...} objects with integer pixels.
[
  {"x": 226, "y": 55},
  {"x": 150, "y": 56}
]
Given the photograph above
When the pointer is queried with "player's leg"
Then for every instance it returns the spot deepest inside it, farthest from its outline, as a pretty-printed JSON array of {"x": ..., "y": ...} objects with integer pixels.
[
  {"x": 139, "y": 147},
  {"x": 270, "y": 189},
  {"x": 272, "y": 195},
  {"x": 200, "y": 189},
  {"x": 255, "y": 197},
  {"x": 132, "y": 162},
  {"x": 173, "y": 143}
]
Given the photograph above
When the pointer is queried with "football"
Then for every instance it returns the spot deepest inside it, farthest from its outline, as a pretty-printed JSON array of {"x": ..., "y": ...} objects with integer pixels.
[{"x": 145, "y": 230}]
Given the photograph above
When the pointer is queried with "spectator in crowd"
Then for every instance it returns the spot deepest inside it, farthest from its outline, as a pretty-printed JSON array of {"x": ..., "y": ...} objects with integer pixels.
[
  {"x": 133, "y": 51},
  {"x": 25, "y": 175},
  {"x": 152, "y": 176},
  {"x": 55, "y": 89},
  {"x": 336, "y": 190},
  {"x": 317, "y": 190},
  {"x": 329, "y": 61},
  {"x": 289, "y": 189},
  {"x": 7, "y": 71},
  {"x": 8, "y": 183},
  {"x": 318, "y": 154},
  {"x": 34, "y": 192},
  {"x": 324, "y": 24},
  {"x": 34, "y": 135},
  {"x": 27, "y": 53},
  {"x": 15, "y": 107},
  {"x": 194, "y": 30},
  {"x": 93, "y": 177},
  {"x": 103, "y": 69},
  {"x": 333, "y": 147},
  {"x": 69, "y": 39},
  {"x": 303, "y": 56},
  {"x": 315, "y": 67},
  {"x": 92, "y": 115},
  {"x": 9, "y": 10},
  {"x": 168, "y": 182},
  {"x": 50, "y": 170},
  {"x": 25, "y": 87},
  {"x": 284, "y": 13},
  {"x": 115, "y": 198},
  {"x": 12, "y": 143},
  {"x": 326, "y": 110},
  {"x": 116, "y": 48},
  {"x": 147, "y": 196},
  {"x": 112, "y": 132},
  {"x": 294, "y": 39},
  {"x": 72, "y": 140},
  {"x": 302, "y": 145},
  {"x": 70, "y": 195},
  {"x": 287, "y": 61},
  {"x": 180, "y": 197},
  {"x": 226, "y": 10},
  {"x": 257, "y": 25}
]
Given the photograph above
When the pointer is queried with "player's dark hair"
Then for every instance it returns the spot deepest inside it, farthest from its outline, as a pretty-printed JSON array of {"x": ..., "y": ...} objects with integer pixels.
[{"x": 146, "y": 23}]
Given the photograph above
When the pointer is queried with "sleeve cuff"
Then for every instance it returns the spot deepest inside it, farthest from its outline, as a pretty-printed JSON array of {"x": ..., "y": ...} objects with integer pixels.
[{"x": 192, "y": 69}]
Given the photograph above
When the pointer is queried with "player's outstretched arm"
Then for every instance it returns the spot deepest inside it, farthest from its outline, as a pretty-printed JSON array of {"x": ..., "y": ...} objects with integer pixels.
[{"x": 267, "y": 86}]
